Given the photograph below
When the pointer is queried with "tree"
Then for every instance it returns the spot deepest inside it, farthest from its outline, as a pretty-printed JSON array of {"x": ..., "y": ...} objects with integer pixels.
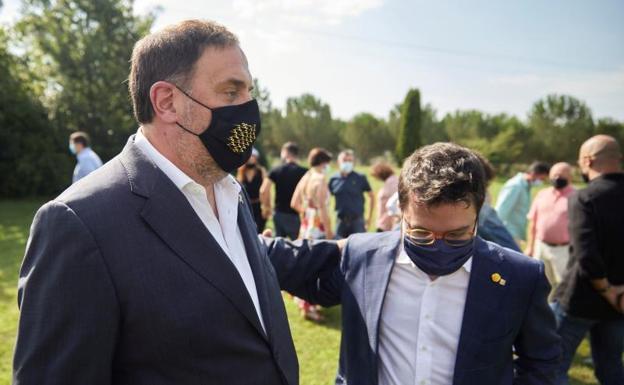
[
  {"x": 308, "y": 122},
  {"x": 34, "y": 160},
  {"x": 608, "y": 126},
  {"x": 80, "y": 50},
  {"x": 410, "y": 127},
  {"x": 367, "y": 135},
  {"x": 560, "y": 124}
]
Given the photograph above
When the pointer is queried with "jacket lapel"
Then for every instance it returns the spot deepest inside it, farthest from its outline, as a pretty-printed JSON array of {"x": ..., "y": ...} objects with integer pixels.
[
  {"x": 171, "y": 216},
  {"x": 254, "y": 255},
  {"x": 379, "y": 263},
  {"x": 485, "y": 317}
]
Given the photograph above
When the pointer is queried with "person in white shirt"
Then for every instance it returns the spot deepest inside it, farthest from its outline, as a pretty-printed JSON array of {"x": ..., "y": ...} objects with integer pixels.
[
  {"x": 150, "y": 270},
  {"x": 432, "y": 303}
]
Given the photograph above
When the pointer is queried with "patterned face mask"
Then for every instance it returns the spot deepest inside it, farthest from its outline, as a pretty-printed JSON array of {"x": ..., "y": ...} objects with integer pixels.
[{"x": 231, "y": 134}]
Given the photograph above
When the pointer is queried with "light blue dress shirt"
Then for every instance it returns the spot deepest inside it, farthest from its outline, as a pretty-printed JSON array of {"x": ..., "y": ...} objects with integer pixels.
[
  {"x": 88, "y": 161},
  {"x": 513, "y": 205}
]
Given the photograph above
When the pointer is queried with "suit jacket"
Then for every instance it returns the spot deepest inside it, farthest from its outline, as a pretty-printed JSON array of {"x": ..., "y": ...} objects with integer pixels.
[
  {"x": 596, "y": 232},
  {"x": 496, "y": 318},
  {"x": 123, "y": 284}
]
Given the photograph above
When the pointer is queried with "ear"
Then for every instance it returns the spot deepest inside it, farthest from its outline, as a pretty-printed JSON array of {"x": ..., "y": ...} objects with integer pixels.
[{"x": 162, "y": 97}]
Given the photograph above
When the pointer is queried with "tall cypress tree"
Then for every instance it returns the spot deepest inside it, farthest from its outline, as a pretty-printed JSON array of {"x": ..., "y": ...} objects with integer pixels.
[{"x": 409, "y": 139}]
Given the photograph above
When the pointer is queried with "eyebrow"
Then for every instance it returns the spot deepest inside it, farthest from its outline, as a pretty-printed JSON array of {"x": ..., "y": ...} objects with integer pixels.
[{"x": 234, "y": 82}]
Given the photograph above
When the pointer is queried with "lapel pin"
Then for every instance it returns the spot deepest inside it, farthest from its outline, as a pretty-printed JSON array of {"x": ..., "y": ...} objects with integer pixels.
[
  {"x": 240, "y": 199},
  {"x": 496, "y": 278}
]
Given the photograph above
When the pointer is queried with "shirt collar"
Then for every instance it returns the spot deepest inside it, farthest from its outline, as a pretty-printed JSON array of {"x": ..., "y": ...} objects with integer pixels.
[
  {"x": 177, "y": 176},
  {"x": 404, "y": 259},
  {"x": 84, "y": 153}
]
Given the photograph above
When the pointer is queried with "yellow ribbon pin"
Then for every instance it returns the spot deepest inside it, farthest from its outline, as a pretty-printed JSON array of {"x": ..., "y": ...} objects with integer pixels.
[{"x": 496, "y": 278}]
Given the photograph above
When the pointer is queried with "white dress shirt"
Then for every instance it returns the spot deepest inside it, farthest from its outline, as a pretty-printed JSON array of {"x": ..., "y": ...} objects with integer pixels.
[
  {"x": 224, "y": 229},
  {"x": 420, "y": 325}
]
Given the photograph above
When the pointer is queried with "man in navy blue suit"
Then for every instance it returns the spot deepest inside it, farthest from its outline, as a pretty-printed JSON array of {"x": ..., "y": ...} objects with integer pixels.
[{"x": 434, "y": 303}]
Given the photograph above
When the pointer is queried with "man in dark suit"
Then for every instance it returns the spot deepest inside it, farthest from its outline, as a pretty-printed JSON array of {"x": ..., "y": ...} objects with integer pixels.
[
  {"x": 149, "y": 271},
  {"x": 433, "y": 303},
  {"x": 590, "y": 298}
]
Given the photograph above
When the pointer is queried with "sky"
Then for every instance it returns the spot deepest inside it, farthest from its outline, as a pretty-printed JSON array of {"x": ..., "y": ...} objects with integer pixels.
[{"x": 364, "y": 55}]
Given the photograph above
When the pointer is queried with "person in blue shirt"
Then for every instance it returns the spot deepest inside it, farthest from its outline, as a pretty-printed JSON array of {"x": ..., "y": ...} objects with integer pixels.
[
  {"x": 514, "y": 199},
  {"x": 490, "y": 227},
  {"x": 349, "y": 187},
  {"x": 88, "y": 160}
]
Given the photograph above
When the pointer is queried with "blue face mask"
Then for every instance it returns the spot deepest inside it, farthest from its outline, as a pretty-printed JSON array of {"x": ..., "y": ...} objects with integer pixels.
[
  {"x": 72, "y": 148},
  {"x": 438, "y": 258},
  {"x": 537, "y": 183},
  {"x": 346, "y": 167}
]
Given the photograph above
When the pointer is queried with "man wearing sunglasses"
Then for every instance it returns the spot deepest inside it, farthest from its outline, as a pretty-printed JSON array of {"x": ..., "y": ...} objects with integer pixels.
[{"x": 433, "y": 303}]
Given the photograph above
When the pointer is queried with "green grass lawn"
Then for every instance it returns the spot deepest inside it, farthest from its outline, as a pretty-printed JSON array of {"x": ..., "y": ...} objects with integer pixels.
[{"x": 317, "y": 345}]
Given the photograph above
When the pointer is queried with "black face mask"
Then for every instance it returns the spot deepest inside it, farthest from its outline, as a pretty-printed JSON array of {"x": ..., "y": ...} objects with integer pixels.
[
  {"x": 559, "y": 183},
  {"x": 231, "y": 134},
  {"x": 585, "y": 178}
]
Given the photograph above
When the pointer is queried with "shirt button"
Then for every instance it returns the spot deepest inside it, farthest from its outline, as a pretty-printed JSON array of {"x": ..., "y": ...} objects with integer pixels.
[
  {"x": 423, "y": 382},
  {"x": 427, "y": 316},
  {"x": 424, "y": 349}
]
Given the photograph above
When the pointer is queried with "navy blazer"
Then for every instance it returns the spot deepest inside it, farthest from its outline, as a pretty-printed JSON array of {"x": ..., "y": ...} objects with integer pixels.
[
  {"x": 123, "y": 284},
  {"x": 497, "y": 319}
]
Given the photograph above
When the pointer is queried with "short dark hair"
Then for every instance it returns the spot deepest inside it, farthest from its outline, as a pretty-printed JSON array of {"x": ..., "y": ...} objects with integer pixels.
[
  {"x": 488, "y": 169},
  {"x": 318, "y": 156},
  {"x": 291, "y": 148},
  {"x": 442, "y": 173},
  {"x": 382, "y": 170},
  {"x": 170, "y": 55},
  {"x": 80, "y": 138},
  {"x": 539, "y": 168}
]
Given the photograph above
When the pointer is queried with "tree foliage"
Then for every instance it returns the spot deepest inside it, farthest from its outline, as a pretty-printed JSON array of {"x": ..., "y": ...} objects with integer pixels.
[
  {"x": 410, "y": 127},
  {"x": 367, "y": 135},
  {"x": 80, "y": 50},
  {"x": 560, "y": 124},
  {"x": 33, "y": 158},
  {"x": 67, "y": 66}
]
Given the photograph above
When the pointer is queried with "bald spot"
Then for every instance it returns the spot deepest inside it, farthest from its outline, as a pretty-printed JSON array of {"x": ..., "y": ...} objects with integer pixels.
[
  {"x": 561, "y": 170},
  {"x": 603, "y": 146}
]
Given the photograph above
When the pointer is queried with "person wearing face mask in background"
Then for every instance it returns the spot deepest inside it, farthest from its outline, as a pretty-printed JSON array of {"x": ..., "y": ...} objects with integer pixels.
[
  {"x": 590, "y": 299},
  {"x": 433, "y": 303},
  {"x": 514, "y": 199},
  {"x": 286, "y": 176},
  {"x": 88, "y": 160},
  {"x": 491, "y": 228},
  {"x": 251, "y": 176},
  {"x": 549, "y": 239},
  {"x": 149, "y": 270},
  {"x": 349, "y": 187},
  {"x": 311, "y": 201}
]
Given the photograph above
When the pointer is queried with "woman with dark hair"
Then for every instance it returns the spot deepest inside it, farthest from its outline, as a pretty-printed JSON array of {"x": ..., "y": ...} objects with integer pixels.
[
  {"x": 251, "y": 175},
  {"x": 311, "y": 201},
  {"x": 384, "y": 172}
]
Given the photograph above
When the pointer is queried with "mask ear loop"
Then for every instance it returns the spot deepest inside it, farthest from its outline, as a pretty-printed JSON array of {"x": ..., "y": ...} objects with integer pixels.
[
  {"x": 192, "y": 98},
  {"x": 196, "y": 101}
]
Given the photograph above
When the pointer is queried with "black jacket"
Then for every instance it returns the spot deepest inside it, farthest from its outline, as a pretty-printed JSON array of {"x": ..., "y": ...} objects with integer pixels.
[
  {"x": 122, "y": 284},
  {"x": 596, "y": 247}
]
